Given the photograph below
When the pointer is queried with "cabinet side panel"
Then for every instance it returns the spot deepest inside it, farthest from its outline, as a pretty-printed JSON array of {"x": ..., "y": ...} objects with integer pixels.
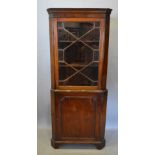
[
  {"x": 53, "y": 114},
  {"x": 106, "y": 45},
  {"x": 103, "y": 108},
  {"x": 101, "y": 52},
  {"x": 52, "y": 60}
]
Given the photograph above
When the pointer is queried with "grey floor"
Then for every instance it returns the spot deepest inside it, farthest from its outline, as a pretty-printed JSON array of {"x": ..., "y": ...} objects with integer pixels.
[{"x": 44, "y": 147}]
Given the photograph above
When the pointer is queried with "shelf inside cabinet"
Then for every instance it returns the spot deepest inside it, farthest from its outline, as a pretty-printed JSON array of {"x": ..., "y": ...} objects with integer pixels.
[
  {"x": 68, "y": 41},
  {"x": 77, "y": 65}
]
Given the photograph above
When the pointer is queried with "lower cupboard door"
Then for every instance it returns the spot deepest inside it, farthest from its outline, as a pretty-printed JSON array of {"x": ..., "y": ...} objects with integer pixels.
[{"x": 77, "y": 117}]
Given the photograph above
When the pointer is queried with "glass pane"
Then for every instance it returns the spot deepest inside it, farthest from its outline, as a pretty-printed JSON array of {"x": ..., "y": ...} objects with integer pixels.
[
  {"x": 64, "y": 39},
  {"x": 97, "y": 24},
  {"x": 96, "y": 55},
  {"x": 65, "y": 36},
  {"x": 91, "y": 71},
  {"x": 60, "y": 55},
  {"x": 65, "y": 71},
  {"x": 92, "y": 38},
  {"x": 78, "y": 80},
  {"x": 78, "y": 53},
  {"x": 78, "y": 28},
  {"x": 62, "y": 45}
]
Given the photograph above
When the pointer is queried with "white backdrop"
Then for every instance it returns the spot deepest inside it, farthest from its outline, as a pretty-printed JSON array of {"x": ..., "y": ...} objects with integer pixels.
[{"x": 43, "y": 61}]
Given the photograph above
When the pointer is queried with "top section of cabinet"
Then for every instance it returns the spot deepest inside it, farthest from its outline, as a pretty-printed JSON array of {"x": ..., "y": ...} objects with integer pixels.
[
  {"x": 78, "y": 12},
  {"x": 79, "y": 48}
]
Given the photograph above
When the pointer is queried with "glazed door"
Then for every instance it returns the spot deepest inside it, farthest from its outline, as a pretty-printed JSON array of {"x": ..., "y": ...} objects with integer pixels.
[{"x": 79, "y": 53}]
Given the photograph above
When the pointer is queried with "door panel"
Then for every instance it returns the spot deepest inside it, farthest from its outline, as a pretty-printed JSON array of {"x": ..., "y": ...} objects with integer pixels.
[{"x": 77, "y": 115}]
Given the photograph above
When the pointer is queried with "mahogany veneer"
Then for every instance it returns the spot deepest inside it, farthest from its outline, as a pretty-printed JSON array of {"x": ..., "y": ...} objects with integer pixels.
[{"x": 79, "y": 56}]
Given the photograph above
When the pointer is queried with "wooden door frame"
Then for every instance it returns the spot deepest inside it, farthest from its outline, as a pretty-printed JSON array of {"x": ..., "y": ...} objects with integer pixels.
[{"x": 101, "y": 53}]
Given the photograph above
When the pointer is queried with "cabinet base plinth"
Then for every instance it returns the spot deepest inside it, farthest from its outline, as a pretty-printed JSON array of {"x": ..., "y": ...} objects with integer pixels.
[
  {"x": 99, "y": 145},
  {"x": 54, "y": 144}
]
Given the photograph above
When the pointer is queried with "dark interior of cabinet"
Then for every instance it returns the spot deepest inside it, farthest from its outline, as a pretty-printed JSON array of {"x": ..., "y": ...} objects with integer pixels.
[{"x": 78, "y": 53}]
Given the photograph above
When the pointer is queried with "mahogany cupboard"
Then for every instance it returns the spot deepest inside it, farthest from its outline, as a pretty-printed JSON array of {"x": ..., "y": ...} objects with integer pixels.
[{"x": 79, "y": 56}]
